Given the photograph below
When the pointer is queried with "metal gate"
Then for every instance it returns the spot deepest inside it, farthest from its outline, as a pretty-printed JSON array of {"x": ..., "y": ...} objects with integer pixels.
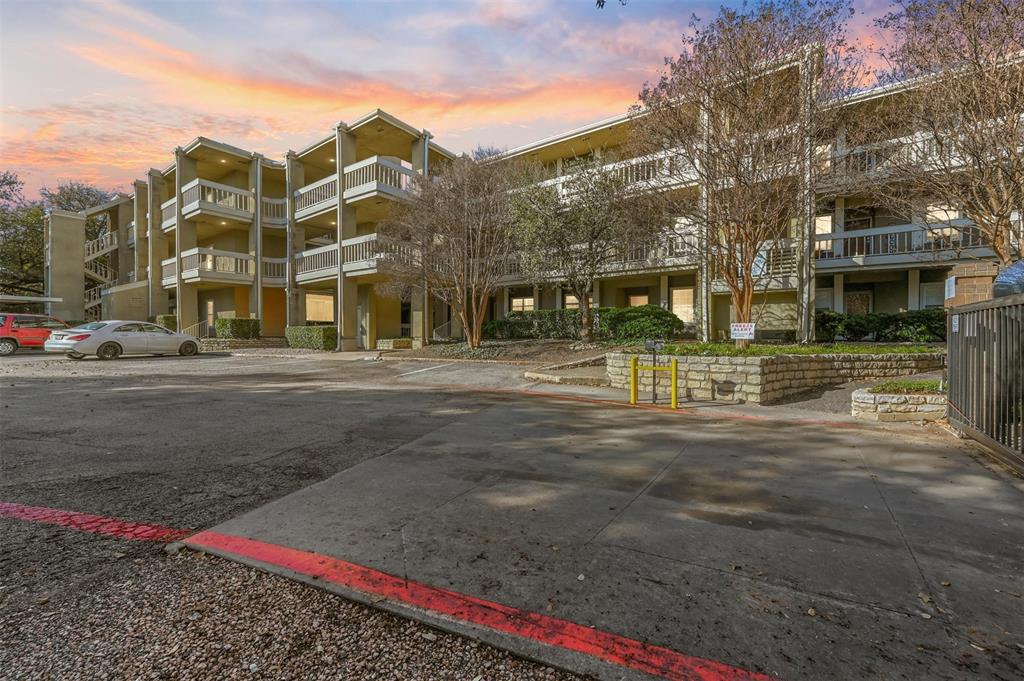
[{"x": 986, "y": 374}]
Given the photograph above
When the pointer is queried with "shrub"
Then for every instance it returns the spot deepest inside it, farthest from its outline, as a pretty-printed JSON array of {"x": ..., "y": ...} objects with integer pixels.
[
  {"x": 638, "y": 323},
  {"x": 906, "y": 387},
  {"x": 312, "y": 337},
  {"x": 535, "y": 324},
  {"x": 916, "y": 326},
  {"x": 237, "y": 328},
  {"x": 168, "y": 321}
]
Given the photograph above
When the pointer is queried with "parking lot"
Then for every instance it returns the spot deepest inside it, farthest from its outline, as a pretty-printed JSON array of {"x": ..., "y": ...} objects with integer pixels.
[{"x": 797, "y": 550}]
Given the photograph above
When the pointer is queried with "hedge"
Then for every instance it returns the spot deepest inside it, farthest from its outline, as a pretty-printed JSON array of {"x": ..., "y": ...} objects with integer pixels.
[
  {"x": 237, "y": 328},
  {"x": 916, "y": 326},
  {"x": 611, "y": 323},
  {"x": 168, "y": 321},
  {"x": 312, "y": 337}
]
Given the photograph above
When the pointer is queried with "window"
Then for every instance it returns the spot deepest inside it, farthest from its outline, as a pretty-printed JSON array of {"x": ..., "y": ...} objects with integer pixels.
[
  {"x": 823, "y": 299},
  {"x": 130, "y": 328},
  {"x": 52, "y": 323},
  {"x": 26, "y": 322},
  {"x": 405, "y": 320},
  {"x": 153, "y": 328},
  {"x": 933, "y": 294},
  {"x": 681, "y": 300},
  {"x": 636, "y": 297},
  {"x": 522, "y": 304},
  {"x": 91, "y": 326},
  {"x": 570, "y": 302}
]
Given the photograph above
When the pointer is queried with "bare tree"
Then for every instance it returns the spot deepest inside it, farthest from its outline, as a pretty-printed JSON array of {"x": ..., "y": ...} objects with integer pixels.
[
  {"x": 454, "y": 238},
  {"x": 574, "y": 230},
  {"x": 744, "y": 115},
  {"x": 951, "y": 134}
]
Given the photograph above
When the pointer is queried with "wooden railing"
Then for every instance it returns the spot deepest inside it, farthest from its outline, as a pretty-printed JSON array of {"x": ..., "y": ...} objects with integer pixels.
[
  {"x": 909, "y": 240},
  {"x": 104, "y": 243},
  {"x": 168, "y": 212},
  {"x": 383, "y": 170},
  {"x": 168, "y": 268},
  {"x": 315, "y": 259},
  {"x": 213, "y": 260},
  {"x": 275, "y": 211},
  {"x": 318, "y": 192},
  {"x": 217, "y": 194}
]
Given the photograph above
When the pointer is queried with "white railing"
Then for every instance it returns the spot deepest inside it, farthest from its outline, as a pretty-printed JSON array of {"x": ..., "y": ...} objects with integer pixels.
[
  {"x": 275, "y": 268},
  {"x": 93, "y": 295},
  {"x": 776, "y": 258},
  {"x": 100, "y": 245},
  {"x": 169, "y": 268},
  {"x": 203, "y": 329},
  {"x": 910, "y": 240},
  {"x": 217, "y": 195},
  {"x": 359, "y": 248},
  {"x": 275, "y": 211},
  {"x": 98, "y": 270},
  {"x": 379, "y": 170},
  {"x": 319, "y": 192},
  {"x": 168, "y": 213},
  {"x": 213, "y": 260},
  {"x": 131, "y": 233},
  {"x": 654, "y": 171},
  {"x": 316, "y": 259}
]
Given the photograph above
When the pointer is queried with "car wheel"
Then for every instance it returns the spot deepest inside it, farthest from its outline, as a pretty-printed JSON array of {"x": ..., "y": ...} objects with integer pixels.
[
  {"x": 75, "y": 355},
  {"x": 109, "y": 351},
  {"x": 188, "y": 348},
  {"x": 7, "y": 347}
]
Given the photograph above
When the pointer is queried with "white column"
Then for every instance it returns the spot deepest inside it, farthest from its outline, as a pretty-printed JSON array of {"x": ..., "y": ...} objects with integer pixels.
[
  {"x": 536, "y": 297},
  {"x": 838, "y": 297},
  {"x": 838, "y": 225},
  {"x": 559, "y": 298},
  {"x": 663, "y": 292},
  {"x": 506, "y": 303},
  {"x": 595, "y": 296},
  {"x": 914, "y": 289}
]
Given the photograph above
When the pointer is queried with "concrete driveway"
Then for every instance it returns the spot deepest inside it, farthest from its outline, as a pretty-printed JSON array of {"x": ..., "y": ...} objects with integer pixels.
[{"x": 806, "y": 551}]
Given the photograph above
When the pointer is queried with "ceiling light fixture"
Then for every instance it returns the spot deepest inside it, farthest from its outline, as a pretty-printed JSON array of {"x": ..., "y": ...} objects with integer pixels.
[
  {"x": 332, "y": 160},
  {"x": 223, "y": 223},
  {"x": 223, "y": 160}
]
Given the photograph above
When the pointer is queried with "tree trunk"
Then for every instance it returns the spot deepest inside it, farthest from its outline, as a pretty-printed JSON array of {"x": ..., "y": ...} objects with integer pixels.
[
  {"x": 743, "y": 303},
  {"x": 586, "y": 318}
]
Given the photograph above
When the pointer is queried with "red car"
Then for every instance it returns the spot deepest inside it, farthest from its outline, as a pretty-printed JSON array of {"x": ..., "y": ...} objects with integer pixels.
[{"x": 25, "y": 331}]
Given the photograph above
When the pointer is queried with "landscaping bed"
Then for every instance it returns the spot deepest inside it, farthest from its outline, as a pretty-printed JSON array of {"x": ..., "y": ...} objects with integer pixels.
[
  {"x": 900, "y": 400},
  {"x": 531, "y": 351}
]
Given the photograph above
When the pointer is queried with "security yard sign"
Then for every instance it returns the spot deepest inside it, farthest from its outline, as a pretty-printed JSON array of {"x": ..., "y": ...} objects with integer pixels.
[{"x": 742, "y": 331}]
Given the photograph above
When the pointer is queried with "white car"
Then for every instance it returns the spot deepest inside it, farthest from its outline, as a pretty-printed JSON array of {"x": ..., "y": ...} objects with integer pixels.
[{"x": 111, "y": 339}]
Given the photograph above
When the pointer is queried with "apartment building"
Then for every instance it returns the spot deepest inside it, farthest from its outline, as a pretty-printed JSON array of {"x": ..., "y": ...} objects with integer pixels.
[{"x": 223, "y": 232}]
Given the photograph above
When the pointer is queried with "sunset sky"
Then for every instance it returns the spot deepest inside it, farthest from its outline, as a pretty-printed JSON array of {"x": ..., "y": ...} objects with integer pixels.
[{"x": 103, "y": 91}]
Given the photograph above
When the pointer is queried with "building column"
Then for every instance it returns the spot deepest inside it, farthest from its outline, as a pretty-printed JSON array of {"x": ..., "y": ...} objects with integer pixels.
[
  {"x": 666, "y": 304},
  {"x": 838, "y": 295},
  {"x": 122, "y": 214},
  {"x": 256, "y": 238},
  {"x": 347, "y": 299},
  {"x": 595, "y": 295},
  {"x": 913, "y": 289},
  {"x": 838, "y": 226},
  {"x": 158, "y": 297},
  {"x": 559, "y": 298},
  {"x": 295, "y": 241},
  {"x": 536, "y": 297},
  {"x": 64, "y": 264},
  {"x": 420, "y": 153},
  {"x": 187, "y": 309},
  {"x": 141, "y": 217}
]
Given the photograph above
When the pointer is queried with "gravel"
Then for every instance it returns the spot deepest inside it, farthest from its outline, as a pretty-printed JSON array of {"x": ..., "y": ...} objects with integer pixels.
[{"x": 194, "y": 616}]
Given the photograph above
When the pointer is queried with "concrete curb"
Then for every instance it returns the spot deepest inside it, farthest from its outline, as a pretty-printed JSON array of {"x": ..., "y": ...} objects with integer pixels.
[{"x": 590, "y": 381}]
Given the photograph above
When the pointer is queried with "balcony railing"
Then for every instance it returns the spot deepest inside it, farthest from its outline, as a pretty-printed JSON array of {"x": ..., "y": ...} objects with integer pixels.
[
  {"x": 210, "y": 260},
  {"x": 213, "y": 195},
  {"x": 274, "y": 269},
  {"x": 131, "y": 233},
  {"x": 911, "y": 241},
  {"x": 104, "y": 243},
  {"x": 275, "y": 211},
  {"x": 130, "y": 276},
  {"x": 316, "y": 259},
  {"x": 168, "y": 214},
  {"x": 317, "y": 195},
  {"x": 377, "y": 173},
  {"x": 655, "y": 171},
  {"x": 168, "y": 269}
]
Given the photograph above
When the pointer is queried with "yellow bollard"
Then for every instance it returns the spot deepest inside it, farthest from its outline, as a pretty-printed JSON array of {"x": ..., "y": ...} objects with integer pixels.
[
  {"x": 634, "y": 381},
  {"x": 675, "y": 383}
]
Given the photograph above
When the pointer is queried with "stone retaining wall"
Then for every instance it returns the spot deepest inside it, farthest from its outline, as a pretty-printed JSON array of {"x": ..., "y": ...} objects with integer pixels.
[
  {"x": 394, "y": 344},
  {"x": 881, "y": 407},
  {"x": 215, "y": 344},
  {"x": 762, "y": 380}
]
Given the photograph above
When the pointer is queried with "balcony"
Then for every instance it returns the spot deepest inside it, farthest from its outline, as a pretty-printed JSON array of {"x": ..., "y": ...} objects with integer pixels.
[
  {"x": 316, "y": 198},
  {"x": 131, "y": 233},
  {"x": 168, "y": 272},
  {"x": 376, "y": 176},
  {"x": 104, "y": 244},
  {"x": 202, "y": 197},
  {"x": 275, "y": 212},
  {"x": 275, "y": 271},
  {"x": 168, "y": 214},
  {"x": 899, "y": 245},
  {"x": 316, "y": 264},
  {"x": 775, "y": 267},
  {"x": 654, "y": 172},
  {"x": 208, "y": 264}
]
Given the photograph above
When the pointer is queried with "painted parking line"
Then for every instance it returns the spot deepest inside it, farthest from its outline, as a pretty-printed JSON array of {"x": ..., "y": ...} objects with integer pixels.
[
  {"x": 619, "y": 650},
  {"x": 418, "y": 371},
  {"x": 95, "y": 524}
]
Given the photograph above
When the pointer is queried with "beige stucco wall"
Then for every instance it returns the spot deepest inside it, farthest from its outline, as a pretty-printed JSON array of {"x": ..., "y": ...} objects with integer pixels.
[{"x": 128, "y": 301}]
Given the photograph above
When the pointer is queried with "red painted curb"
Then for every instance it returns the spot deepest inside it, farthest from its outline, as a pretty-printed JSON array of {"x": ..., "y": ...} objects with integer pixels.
[
  {"x": 619, "y": 650},
  {"x": 96, "y": 524}
]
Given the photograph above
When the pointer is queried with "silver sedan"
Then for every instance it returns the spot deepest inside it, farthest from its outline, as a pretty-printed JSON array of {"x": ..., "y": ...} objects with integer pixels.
[{"x": 111, "y": 339}]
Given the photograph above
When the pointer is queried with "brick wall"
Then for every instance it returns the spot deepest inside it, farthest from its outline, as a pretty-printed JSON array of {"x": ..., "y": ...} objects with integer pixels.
[
  {"x": 762, "y": 380},
  {"x": 973, "y": 282}
]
